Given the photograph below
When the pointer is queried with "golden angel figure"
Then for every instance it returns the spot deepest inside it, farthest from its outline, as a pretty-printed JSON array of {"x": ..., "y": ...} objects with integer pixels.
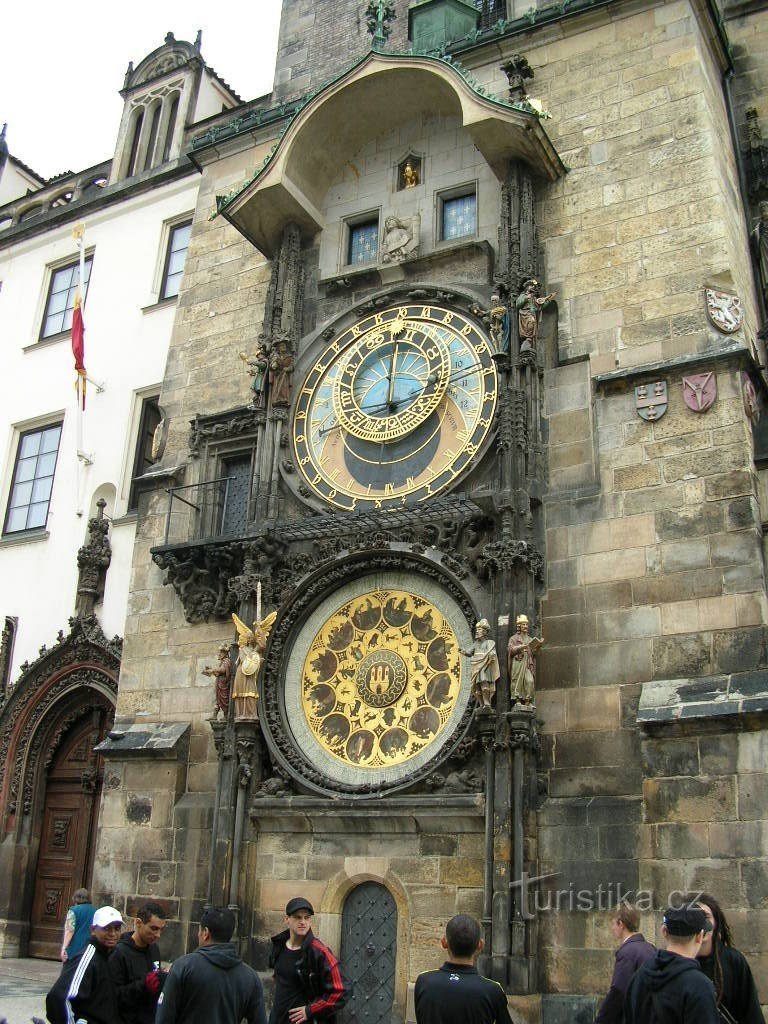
[{"x": 252, "y": 643}]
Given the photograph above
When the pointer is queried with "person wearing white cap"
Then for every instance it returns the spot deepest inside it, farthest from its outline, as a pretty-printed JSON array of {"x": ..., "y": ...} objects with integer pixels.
[{"x": 84, "y": 991}]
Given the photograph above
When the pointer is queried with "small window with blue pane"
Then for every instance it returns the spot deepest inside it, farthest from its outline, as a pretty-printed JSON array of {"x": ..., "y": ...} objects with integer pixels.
[
  {"x": 363, "y": 242},
  {"x": 459, "y": 216}
]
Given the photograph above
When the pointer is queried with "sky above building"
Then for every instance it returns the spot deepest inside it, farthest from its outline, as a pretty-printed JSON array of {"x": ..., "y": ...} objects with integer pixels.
[{"x": 62, "y": 68}]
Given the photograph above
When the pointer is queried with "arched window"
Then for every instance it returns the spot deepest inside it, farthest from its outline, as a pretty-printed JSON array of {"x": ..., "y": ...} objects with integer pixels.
[
  {"x": 170, "y": 127},
  {"x": 154, "y": 125},
  {"x": 131, "y": 169}
]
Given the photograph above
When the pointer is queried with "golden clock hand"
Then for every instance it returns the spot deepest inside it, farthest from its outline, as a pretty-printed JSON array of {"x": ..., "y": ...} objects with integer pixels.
[{"x": 391, "y": 389}]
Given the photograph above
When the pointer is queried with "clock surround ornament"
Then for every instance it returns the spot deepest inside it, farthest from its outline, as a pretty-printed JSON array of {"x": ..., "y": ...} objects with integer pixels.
[
  {"x": 396, "y": 408},
  {"x": 366, "y": 691}
]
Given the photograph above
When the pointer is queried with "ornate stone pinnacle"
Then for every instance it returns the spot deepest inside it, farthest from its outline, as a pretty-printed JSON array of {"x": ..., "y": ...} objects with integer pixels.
[{"x": 517, "y": 71}]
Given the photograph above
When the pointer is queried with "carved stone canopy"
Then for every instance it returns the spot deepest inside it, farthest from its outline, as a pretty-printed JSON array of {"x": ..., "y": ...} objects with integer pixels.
[
  {"x": 80, "y": 670},
  {"x": 378, "y": 93}
]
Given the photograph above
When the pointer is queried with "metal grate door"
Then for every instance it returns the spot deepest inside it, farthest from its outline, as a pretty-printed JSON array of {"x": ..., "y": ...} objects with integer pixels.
[{"x": 368, "y": 951}]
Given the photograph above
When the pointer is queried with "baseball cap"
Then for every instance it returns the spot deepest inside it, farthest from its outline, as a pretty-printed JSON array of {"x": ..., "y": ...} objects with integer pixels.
[
  {"x": 105, "y": 916},
  {"x": 296, "y": 904},
  {"x": 686, "y": 921}
]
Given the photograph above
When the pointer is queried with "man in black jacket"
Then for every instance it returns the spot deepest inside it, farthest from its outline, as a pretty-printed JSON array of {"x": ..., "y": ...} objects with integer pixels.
[
  {"x": 84, "y": 990},
  {"x": 457, "y": 993},
  {"x": 671, "y": 988},
  {"x": 309, "y": 984},
  {"x": 135, "y": 967},
  {"x": 631, "y": 955},
  {"x": 212, "y": 985}
]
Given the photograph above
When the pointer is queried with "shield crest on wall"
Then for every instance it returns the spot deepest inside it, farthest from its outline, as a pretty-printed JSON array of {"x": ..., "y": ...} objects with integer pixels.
[
  {"x": 724, "y": 310},
  {"x": 700, "y": 391},
  {"x": 651, "y": 400}
]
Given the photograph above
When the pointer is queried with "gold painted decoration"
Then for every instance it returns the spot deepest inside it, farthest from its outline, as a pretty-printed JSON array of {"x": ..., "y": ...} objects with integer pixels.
[
  {"x": 396, "y": 408},
  {"x": 381, "y": 679}
]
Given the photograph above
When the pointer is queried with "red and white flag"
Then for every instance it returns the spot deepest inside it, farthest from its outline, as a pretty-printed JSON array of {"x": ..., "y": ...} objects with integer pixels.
[
  {"x": 78, "y": 324},
  {"x": 78, "y": 348}
]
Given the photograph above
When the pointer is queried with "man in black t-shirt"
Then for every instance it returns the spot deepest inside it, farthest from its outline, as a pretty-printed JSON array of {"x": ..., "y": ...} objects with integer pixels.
[
  {"x": 309, "y": 984},
  {"x": 456, "y": 993}
]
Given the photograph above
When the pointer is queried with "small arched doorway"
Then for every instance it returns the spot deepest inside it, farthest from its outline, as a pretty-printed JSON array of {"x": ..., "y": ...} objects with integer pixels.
[
  {"x": 68, "y": 828},
  {"x": 369, "y": 953}
]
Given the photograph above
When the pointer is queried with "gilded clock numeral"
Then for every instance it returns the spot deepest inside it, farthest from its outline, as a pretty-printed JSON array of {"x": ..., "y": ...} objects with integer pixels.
[{"x": 401, "y": 381}]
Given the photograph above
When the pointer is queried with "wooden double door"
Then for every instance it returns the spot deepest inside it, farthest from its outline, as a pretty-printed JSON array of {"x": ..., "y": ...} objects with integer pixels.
[{"x": 68, "y": 830}]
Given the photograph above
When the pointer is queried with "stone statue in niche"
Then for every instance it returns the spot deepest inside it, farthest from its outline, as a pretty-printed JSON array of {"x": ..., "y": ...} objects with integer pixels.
[
  {"x": 222, "y": 673},
  {"x": 281, "y": 364},
  {"x": 529, "y": 312},
  {"x": 257, "y": 368},
  {"x": 484, "y": 665},
  {"x": 400, "y": 239},
  {"x": 520, "y": 660}
]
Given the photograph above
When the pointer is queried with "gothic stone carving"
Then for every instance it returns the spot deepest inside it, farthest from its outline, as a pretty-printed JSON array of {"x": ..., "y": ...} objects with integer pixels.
[
  {"x": 34, "y": 695},
  {"x": 93, "y": 560}
]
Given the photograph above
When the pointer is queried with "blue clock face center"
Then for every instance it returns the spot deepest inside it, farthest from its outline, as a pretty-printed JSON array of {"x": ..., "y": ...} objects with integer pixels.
[{"x": 390, "y": 378}]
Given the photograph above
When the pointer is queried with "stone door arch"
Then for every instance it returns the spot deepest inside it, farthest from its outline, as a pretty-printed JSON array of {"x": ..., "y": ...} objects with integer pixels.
[
  {"x": 60, "y": 703},
  {"x": 369, "y": 953}
]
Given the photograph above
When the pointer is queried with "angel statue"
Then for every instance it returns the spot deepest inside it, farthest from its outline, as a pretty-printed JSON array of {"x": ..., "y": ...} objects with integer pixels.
[{"x": 252, "y": 643}]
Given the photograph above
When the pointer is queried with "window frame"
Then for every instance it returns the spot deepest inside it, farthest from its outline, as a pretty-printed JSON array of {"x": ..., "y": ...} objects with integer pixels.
[
  {"x": 462, "y": 191},
  {"x": 171, "y": 228},
  {"x": 52, "y": 271},
  {"x": 139, "y": 440},
  {"x": 366, "y": 219},
  {"x": 21, "y": 433}
]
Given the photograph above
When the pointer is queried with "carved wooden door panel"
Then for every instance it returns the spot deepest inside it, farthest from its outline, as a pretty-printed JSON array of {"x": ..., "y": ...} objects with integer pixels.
[
  {"x": 67, "y": 834},
  {"x": 368, "y": 951}
]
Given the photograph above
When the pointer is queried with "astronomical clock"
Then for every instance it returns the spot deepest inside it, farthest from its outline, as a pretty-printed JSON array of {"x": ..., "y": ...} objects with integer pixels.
[
  {"x": 370, "y": 690},
  {"x": 395, "y": 409}
]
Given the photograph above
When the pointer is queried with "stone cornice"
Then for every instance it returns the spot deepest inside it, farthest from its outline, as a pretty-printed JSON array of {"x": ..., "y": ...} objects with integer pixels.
[{"x": 733, "y": 352}]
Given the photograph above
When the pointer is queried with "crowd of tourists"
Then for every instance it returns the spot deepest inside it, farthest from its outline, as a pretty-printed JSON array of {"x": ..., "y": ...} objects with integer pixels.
[{"x": 112, "y": 976}]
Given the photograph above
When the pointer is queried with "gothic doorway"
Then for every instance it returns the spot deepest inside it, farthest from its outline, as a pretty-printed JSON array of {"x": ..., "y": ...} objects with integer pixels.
[
  {"x": 50, "y": 783},
  {"x": 368, "y": 953},
  {"x": 68, "y": 830}
]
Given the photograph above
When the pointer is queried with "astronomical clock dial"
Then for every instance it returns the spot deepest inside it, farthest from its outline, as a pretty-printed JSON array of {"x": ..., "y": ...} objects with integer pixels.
[
  {"x": 379, "y": 681},
  {"x": 396, "y": 408}
]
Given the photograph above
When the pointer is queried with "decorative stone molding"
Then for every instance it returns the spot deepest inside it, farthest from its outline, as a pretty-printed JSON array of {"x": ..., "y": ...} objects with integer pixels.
[{"x": 84, "y": 659}]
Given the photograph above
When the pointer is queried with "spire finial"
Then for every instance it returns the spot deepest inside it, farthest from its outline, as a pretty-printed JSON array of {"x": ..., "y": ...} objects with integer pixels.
[{"x": 378, "y": 15}]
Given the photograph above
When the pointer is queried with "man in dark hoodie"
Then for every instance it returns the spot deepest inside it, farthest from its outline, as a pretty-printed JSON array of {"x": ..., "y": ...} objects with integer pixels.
[
  {"x": 212, "y": 985},
  {"x": 135, "y": 966},
  {"x": 309, "y": 984},
  {"x": 671, "y": 988},
  {"x": 630, "y": 956}
]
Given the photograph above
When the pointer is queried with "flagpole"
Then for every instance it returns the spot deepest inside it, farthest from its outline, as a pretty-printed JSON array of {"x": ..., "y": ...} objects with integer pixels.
[{"x": 77, "y": 233}]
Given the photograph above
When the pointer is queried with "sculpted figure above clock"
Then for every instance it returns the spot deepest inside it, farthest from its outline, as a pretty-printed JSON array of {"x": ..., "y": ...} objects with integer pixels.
[{"x": 396, "y": 408}]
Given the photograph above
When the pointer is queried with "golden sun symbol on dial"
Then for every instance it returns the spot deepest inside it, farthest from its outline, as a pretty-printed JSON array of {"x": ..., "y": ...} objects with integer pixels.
[{"x": 396, "y": 408}]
